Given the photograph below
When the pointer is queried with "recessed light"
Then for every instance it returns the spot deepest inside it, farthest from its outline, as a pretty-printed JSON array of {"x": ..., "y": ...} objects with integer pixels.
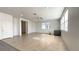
[{"x": 21, "y": 15}]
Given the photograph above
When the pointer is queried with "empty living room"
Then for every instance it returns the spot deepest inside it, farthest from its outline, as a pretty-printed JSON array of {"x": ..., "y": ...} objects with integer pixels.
[{"x": 39, "y": 29}]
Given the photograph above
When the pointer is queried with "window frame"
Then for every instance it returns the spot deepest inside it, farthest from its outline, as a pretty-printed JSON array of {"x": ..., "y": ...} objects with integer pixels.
[
  {"x": 46, "y": 25},
  {"x": 64, "y": 22}
]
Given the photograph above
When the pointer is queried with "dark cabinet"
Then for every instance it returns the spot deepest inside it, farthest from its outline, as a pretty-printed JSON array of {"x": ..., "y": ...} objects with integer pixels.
[{"x": 57, "y": 32}]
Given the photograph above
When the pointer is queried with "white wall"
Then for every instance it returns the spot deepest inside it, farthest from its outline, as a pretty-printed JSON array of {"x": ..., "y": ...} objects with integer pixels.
[
  {"x": 16, "y": 25},
  {"x": 71, "y": 38},
  {"x": 54, "y": 25},
  {"x": 0, "y": 27},
  {"x": 31, "y": 26}
]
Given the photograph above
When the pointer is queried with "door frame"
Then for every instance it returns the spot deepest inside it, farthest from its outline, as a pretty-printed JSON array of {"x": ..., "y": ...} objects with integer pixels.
[{"x": 22, "y": 19}]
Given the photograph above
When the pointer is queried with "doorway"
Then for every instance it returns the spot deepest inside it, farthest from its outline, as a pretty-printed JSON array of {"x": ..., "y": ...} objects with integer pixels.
[{"x": 24, "y": 27}]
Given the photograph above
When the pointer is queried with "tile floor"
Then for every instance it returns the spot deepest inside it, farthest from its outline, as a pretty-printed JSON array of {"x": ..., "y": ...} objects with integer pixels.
[{"x": 36, "y": 42}]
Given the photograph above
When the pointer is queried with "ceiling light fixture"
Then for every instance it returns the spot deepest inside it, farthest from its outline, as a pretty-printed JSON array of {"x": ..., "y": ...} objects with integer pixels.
[
  {"x": 34, "y": 14},
  {"x": 41, "y": 18}
]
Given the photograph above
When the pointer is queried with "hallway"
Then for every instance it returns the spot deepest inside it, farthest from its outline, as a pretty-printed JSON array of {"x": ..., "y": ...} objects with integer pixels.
[{"x": 36, "y": 42}]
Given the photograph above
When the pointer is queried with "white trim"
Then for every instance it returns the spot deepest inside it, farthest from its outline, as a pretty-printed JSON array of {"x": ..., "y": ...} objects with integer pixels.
[{"x": 20, "y": 24}]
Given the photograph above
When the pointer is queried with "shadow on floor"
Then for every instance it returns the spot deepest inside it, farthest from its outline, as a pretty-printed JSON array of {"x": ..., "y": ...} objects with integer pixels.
[{"x": 6, "y": 47}]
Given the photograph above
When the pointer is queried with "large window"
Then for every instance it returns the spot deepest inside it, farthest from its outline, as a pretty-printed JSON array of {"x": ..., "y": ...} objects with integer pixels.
[
  {"x": 45, "y": 26},
  {"x": 64, "y": 22}
]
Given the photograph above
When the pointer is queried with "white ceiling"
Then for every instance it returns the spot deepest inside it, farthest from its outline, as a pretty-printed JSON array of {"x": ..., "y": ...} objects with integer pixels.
[{"x": 42, "y": 13}]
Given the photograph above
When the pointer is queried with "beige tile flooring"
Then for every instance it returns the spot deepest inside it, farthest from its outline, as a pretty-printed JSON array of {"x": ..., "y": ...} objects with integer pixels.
[{"x": 36, "y": 42}]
